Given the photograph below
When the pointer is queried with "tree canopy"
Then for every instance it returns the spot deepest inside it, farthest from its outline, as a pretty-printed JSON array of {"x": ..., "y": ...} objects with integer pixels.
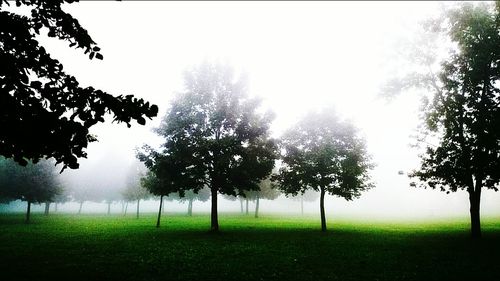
[
  {"x": 44, "y": 111},
  {"x": 214, "y": 137},
  {"x": 463, "y": 117},
  {"x": 324, "y": 154}
]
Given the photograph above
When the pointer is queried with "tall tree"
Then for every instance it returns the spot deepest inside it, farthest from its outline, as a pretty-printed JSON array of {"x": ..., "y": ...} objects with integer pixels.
[
  {"x": 35, "y": 183},
  {"x": 463, "y": 117},
  {"x": 324, "y": 154},
  {"x": 44, "y": 111},
  {"x": 215, "y": 137}
]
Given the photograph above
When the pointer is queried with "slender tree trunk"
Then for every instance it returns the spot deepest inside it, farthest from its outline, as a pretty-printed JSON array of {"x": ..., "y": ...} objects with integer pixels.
[
  {"x": 257, "y": 207},
  {"x": 322, "y": 209},
  {"x": 302, "y": 204},
  {"x": 137, "y": 212},
  {"x": 241, "y": 205},
  {"x": 214, "y": 218},
  {"x": 163, "y": 206},
  {"x": 109, "y": 208},
  {"x": 80, "y": 209},
  {"x": 47, "y": 208},
  {"x": 159, "y": 212},
  {"x": 190, "y": 207},
  {"x": 28, "y": 212},
  {"x": 475, "y": 220},
  {"x": 126, "y": 207},
  {"x": 246, "y": 212}
]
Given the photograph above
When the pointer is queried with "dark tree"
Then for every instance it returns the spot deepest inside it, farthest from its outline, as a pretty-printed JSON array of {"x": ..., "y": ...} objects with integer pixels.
[
  {"x": 158, "y": 185},
  {"x": 463, "y": 117},
  {"x": 35, "y": 183},
  {"x": 215, "y": 137},
  {"x": 324, "y": 154},
  {"x": 44, "y": 112}
]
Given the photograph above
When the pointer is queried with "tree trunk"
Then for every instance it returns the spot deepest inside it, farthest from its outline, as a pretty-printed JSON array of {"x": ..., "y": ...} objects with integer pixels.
[
  {"x": 80, "y": 209},
  {"x": 47, "y": 207},
  {"x": 302, "y": 204},
  {"x": 159, "y": 212},
  {"x": 246, "y": 212},
  {"x": 257, "y": 207},
  {"x": 137, "y": 212},
  {"x": 28, "y": 212},
  {"x": 109, "y": 208},
  {"x": 475, "y": 220},
  {"x": 322, "y": 209},
  {"x": 126, "y": 207},
  {"x": 241, "y": 205},
  {"x": 214, "y": 219},
  {"x": 163, "y": 206},
  {"x": 190, "y": 207}
]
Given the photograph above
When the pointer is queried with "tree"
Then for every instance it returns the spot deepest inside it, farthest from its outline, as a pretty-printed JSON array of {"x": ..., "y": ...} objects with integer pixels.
[
  {"x": 215, "y": 137},
  {"x": 190, "y": 196},
  {"x": 134, "y": 191},
  {"x": 35, "y": 183},
  {"x": 308, "y": 196},
  {"x": 463, "y": 117},
  {"x": 157, "y": 185},
  {"x": 324, "y": 154},
  {"x": 44, "y": 111},
  {"x": 267, "y": 190}
]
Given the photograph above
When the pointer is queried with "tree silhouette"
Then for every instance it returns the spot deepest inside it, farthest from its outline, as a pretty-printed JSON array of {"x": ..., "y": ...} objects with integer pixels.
[
  {"x": 324, "y": 154},
  {"x": 463, "y": 116},
  {"x": 214, "y": 136},
  {"x": 35, "y": 183},
  {"x": 44, "y": 111}
]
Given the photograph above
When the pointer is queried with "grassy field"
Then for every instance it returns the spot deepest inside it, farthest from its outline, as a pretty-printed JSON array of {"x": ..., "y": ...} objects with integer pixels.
[{"x": 91, "y": 247}]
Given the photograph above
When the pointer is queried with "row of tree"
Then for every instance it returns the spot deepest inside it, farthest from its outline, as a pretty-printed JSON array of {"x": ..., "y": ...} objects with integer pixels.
[
  {"x": 216, "y": 138},
  {"x": 42, "y": 183}
]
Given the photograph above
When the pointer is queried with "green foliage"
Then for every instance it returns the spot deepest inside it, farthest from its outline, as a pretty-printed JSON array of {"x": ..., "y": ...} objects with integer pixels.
[
  {"x": 324, "y": 153},
  {"x": 35, "y": 183},
  {"x": 45, "y": 112}
]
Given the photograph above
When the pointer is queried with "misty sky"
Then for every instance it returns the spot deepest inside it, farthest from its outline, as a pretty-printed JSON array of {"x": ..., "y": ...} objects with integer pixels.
[{"x": 300, "y": 56}]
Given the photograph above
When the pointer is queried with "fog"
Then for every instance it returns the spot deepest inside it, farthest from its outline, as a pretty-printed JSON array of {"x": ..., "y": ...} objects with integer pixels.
[{"x": 300, "y": 56}]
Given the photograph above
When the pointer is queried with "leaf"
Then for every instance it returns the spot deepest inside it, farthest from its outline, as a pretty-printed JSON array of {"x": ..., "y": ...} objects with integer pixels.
[{"x": 98, "y": 56}]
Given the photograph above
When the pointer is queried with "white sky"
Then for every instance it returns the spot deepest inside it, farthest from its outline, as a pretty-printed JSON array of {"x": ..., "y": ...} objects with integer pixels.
[{"x": 300, "y": 56}]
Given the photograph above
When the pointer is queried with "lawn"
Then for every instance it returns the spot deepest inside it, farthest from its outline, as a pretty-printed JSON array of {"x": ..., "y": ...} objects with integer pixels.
[{"x": 93, "y": 247}]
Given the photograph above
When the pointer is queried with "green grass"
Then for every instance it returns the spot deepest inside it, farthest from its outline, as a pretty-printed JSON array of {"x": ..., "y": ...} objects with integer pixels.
[{"x": 91, "y": 247}]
